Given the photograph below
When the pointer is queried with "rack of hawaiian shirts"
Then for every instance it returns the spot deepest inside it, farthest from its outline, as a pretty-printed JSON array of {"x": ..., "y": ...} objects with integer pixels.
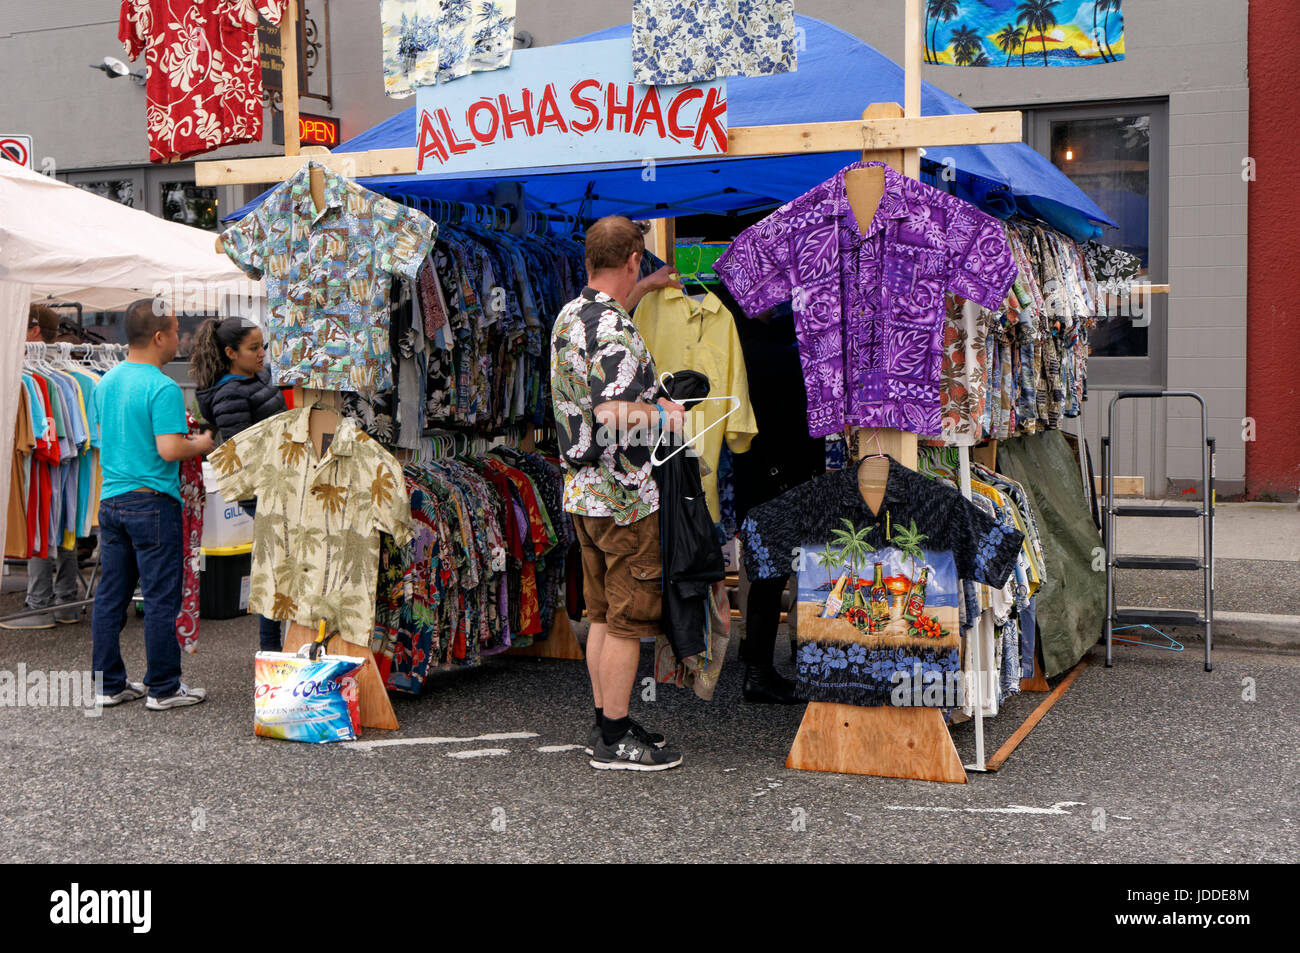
[
  {"x": 488, "y": 567},
  {"x": 1006, "y": 615},
  {"x": 469, "y": 336},
  {"x": 54, "y": 493},
  {"x": 1022, "y": 368}
]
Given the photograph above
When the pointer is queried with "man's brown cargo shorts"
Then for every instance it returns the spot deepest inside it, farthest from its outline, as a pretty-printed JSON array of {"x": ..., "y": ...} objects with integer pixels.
[{"x": 621, "y": 574}]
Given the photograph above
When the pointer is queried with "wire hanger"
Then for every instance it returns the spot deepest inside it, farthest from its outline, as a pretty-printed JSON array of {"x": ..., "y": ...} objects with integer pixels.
[{"x": 735, "y": 406}]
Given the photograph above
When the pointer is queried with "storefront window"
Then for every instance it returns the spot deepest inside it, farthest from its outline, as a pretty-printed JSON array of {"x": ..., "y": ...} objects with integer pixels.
[
  {"x": 121, "y": 191},
  {"x": 189, "y": 204},
  {"x": 1110, "y": 159}
]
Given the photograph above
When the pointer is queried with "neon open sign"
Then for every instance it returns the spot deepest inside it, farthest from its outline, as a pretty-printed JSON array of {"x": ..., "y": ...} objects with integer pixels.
[{"x": 318, "y": 131}]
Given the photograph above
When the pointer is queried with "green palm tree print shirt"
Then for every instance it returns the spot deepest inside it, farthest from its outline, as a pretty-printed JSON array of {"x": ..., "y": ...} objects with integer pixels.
[{"x": 316, "y": 533}]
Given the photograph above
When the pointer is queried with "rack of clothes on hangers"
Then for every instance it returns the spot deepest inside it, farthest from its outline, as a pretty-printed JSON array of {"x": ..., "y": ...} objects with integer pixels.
[
  {"x": 1008, "y": 638},
  {"x": 56, "y": 481},
  {"x": 1021, "y": 368},
  {"x": 490, "y": 564},
  {"x": 470, "y": 334}
]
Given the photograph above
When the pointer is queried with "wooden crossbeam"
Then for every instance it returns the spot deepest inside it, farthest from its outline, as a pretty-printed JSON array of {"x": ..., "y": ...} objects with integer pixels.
[{"x": 869, "y": 135}]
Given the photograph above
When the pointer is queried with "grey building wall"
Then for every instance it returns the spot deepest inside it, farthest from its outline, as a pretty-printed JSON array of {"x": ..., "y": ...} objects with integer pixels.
[{"x": 1190, "y": 53}]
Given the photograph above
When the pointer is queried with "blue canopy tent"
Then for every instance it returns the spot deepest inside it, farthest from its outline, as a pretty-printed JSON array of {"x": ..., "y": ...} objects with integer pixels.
[{"x": 838, "y": 77}]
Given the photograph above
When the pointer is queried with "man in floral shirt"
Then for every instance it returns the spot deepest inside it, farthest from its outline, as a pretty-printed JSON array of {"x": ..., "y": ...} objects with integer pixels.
[{"x": 603, "y": 385}]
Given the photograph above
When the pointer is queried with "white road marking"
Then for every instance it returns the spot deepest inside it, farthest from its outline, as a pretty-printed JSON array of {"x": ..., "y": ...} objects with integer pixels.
[
  {"x": 548, "y": 749},
  {"x": 1009, "y": 809},
  {"x": 478, "y": 753},
  {"x": 388, "y": 743}
]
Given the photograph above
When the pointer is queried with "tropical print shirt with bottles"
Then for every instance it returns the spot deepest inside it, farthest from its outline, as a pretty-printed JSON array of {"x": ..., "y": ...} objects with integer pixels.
[
  {"x": 316, "y": 533},
  {"x": 859, "y": 658}
]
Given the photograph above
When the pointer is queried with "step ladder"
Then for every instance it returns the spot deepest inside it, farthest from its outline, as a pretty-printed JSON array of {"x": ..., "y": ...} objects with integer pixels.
[{"x": 1202, "y": 510}]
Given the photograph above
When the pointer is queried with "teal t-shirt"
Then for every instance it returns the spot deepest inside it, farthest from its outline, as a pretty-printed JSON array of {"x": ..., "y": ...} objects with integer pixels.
[{"x": 133, "y": 404}]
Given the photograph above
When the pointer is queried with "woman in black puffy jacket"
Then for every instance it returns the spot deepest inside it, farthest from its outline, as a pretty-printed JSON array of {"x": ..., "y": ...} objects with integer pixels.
[{"x": 235, "y": 392}]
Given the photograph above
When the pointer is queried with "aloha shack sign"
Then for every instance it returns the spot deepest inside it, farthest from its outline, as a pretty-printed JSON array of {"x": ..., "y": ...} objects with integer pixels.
[{"x": 565, "y": 105}]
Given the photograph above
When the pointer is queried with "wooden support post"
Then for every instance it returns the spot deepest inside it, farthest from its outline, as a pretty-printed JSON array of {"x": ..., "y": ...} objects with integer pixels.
[
  {"x": 888, "y": 742},
  {"x": 376, "y": 708},
  {"x": 562, "y": 644},
  {"x": 662, "y": 240},
  {"x": 289, "y": 49}
]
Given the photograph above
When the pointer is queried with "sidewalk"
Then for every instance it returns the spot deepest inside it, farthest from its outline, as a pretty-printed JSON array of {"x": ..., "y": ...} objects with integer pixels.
[{"x": 1256, "y": 572}]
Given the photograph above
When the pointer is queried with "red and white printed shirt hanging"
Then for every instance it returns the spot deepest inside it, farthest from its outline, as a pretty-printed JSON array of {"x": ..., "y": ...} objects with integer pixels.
[{"x": 204, "y": 80}]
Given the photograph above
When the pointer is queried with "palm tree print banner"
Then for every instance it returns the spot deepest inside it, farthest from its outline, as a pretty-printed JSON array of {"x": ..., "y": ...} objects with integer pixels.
[{"x": 1023, "y": 32}]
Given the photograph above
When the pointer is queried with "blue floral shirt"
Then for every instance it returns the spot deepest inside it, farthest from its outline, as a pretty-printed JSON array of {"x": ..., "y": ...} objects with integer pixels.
[
  {"x": 435, "y": 41},
  {"x": 691, "y": 41}
]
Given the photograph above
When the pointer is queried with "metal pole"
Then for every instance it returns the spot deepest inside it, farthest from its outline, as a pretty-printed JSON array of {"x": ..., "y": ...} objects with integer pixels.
[{"x": 975, "y": 642}]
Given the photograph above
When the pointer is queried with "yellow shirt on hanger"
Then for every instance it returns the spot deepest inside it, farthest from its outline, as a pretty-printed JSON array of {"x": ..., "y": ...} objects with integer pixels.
[{"x": 685, "y": 335}]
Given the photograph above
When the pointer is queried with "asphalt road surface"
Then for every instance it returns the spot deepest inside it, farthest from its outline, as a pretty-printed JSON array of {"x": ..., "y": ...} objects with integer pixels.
[{"x": 1153, "y": 760}]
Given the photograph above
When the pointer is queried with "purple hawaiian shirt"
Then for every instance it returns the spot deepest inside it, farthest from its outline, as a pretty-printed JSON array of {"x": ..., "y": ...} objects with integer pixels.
[{"x": 869, "y": 309}]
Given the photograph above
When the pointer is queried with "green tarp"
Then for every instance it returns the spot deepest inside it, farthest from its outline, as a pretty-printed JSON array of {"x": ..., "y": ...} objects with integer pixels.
[{"x": 1071, "y": 604}]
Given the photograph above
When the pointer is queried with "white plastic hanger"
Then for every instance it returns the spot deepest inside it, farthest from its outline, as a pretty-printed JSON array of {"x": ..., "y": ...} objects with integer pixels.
[{"x": 735, "y": 406}]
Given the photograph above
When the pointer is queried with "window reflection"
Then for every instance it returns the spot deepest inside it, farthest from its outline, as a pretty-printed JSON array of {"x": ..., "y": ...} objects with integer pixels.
[{"x": 1110, "y": 160}]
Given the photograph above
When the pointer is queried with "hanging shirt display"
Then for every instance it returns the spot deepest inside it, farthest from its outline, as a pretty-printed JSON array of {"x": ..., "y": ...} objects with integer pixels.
[
  {"x": 1003, "y": 33},
  {"x": 1115, "y": 269},
  {"x": 316, "y": 533},
  {"x": 328, "y": 276},
  {"x": 435, "y": 41},
  {"x": 692, "y": 41},
  {"x": 204, "y": 79},
  {"x": 880, "y": 594},
  {"x": 683, "y": 335},
  {"x": 869, "y": 308}
]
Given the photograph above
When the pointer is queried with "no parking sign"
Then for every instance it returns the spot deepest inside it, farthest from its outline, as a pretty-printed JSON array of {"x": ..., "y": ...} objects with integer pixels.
[{"x": 16, "y": 148}]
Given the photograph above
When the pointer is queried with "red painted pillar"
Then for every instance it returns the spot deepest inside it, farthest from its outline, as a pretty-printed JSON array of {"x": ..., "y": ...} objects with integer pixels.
[{"x": 1273, "y": 250}]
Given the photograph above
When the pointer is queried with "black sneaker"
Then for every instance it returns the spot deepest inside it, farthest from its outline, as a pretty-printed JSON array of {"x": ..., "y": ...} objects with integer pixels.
[
  {"x": 631, "y": 754},
  {"x": 652, "y": 738}
]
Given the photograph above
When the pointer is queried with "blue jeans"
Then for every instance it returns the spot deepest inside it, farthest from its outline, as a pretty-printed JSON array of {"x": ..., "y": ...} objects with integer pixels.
[{"x": 139, "y": 542}]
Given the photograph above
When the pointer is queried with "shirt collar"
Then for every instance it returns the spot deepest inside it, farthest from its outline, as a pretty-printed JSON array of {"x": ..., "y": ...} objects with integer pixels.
[
  {"x": 710, "y": 302},
  {"x": 600, "y": 297},
  {"x": 335, "y": 190},
  {"x": 893, "y": 203}
]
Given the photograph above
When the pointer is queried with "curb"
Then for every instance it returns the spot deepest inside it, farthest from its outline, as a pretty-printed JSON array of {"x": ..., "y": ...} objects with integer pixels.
[{"x": 1259, "y": 630}]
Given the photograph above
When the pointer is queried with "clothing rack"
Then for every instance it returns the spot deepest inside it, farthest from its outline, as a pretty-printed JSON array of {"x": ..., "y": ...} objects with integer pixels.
[
  {"x": 561, "y": 643},
  {"x": 100, "y": 357},
  {"x": 487, "y": 216}
]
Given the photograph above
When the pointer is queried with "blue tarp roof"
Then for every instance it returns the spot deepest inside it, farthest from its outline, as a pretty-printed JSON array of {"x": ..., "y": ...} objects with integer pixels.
[{"x": 838, "y": 76}]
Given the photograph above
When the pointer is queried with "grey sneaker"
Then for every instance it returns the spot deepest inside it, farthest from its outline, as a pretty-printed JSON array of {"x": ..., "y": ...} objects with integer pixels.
[
  {"x": 39, "y": 619},
  {"x": 652, "y": 738},
  {"x": 67, "y": 616},
  {"x": 132, "y": 691},
  {"x": 630, "y": 754},
  {"x": 184, "y": 696}
]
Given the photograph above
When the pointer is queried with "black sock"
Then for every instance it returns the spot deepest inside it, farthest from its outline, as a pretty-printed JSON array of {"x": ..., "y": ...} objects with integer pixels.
[
  {"x": 600, "y": 717},
  {"x": 614, "y": 729}
]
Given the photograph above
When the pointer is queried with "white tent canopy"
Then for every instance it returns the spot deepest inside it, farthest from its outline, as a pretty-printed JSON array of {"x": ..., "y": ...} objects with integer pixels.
[{"x": 60, "y": 243}]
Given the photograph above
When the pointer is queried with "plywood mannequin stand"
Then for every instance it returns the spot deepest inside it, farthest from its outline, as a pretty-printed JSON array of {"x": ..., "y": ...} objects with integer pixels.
[{"x": 376, "y": 708}]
